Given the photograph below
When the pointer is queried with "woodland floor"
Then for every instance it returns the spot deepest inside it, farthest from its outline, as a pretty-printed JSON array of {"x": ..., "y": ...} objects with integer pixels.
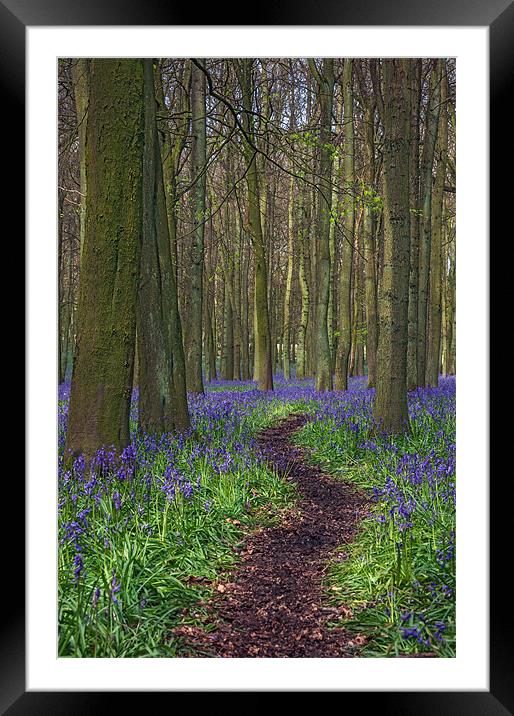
[{"x": 274, "y": 605}]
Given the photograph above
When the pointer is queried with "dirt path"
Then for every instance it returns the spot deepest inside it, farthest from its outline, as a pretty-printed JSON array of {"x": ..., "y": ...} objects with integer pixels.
[{"x": 274, "y": 605}]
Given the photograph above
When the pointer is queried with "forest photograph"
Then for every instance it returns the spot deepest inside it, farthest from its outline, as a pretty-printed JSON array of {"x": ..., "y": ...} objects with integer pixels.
[{"x": 256, "y": 357}]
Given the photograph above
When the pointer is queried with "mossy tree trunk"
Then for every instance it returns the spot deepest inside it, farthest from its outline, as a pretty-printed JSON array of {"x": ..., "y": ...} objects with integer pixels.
[
  {"x": 106, "y": 315},
  {"x": 162, "y": 388},
  {"x": 390, "y": 409},
  {"x": 65, "y": 293},
  {"x": 81, "y": 78}
]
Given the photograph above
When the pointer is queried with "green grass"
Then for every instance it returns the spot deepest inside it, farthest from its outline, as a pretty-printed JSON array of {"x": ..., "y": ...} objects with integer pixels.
[
  {"x": 397, "y": 578},
  {"x": 166, "y": 555}
]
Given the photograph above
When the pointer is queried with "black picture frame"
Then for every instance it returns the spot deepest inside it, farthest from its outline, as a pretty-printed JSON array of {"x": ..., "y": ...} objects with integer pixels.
[{"x": 498, "y": 15}]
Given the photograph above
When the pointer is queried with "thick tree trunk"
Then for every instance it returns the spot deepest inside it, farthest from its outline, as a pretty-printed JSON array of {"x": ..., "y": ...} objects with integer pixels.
[
  {"x": 390, "y": 409},
  {"x": 106, "y": 315},
  {"x": 162, "y": 389}
]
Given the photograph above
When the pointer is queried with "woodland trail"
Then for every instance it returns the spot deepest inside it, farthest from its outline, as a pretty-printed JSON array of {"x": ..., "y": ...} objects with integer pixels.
[{"x": 273, "y": 606}]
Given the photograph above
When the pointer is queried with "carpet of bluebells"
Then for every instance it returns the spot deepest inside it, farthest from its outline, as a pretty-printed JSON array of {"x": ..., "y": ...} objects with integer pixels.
[
  {"x": 398, "y": 577},
  {"x": 145, "y": 536}
]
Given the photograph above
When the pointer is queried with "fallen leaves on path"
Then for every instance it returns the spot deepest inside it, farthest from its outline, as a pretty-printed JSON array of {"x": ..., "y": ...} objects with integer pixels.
[{"x": 273, "y": 606}]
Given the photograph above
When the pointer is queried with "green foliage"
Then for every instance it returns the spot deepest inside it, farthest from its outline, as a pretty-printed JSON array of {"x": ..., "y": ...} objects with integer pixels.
[
  {"x": 369, "y": 197},
  {"x": 166, "y": 556},
  {"x": 396, "y": 581}
]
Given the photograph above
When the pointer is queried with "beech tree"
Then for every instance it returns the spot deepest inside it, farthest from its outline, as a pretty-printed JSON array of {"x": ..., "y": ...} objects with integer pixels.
[
  {"x": 345, "y": 319},
  {"x": 103, "y": 362},
  {"x": 262, "y": 326},
  {"x": 162, "y": 385},
  {"x": 325, "y": 83},
  {"x": 427, "y": 162},
  {"x": 198, "y": 172},
  {"x": 390, "y": 408}
]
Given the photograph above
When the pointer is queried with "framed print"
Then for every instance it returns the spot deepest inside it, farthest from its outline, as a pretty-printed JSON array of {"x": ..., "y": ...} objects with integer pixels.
[{"x": 36, "y": 675}]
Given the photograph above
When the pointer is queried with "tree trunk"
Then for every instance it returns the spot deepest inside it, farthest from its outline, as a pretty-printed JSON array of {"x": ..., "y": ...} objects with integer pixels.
[
  {"x": 262, "y": 324},
  {"x": 162, "y": 390},
  {"x": 427, "y": 161},
  {"x": 325, "y": 81},
  {"x": 196, "y": 259},
  {"x": 345, "y": 281},
  {"x": 412, "y": 343},
  {"x": 301, "y": 353},
  {"x": 245, "y": 357},
  {"x": 434, "y": 305},
  {"x": 81, "y": 75},
  {"x": 106, "y": 316},
  {"x": 289, "y": 284},
  {"x": 228, "y": 336},
  {"x": 390, "y": 409}
]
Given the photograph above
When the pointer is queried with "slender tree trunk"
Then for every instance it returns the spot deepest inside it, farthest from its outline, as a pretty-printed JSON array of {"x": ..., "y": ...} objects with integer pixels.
[
  {"x": 357, "y": 325},
  {"x": 369, "y": 201},
  {"x": 412, "y": 343},
  {"x": 209, "y": 309},
  {"x": 325, "y": 80},
  {"x": 228, "y": 337},
  {"x": 262, "y": 323},
  {"x": 245, "y": 357},
  {"x": 171, "y": 150},
  {"x": 236, "y": 299},
  {"x": 450, "y": 331},
  {"x": 198, "y": 168},
  {"x": 390, "y": 409},
  {"x": 106, "y": 315},
  {"x": 301, "y": 353},
  {"x": 434, "y": 305},
  {"x": 289, "y": 284},
  {"x": 345, "y": 281},
  {"x": 332, "y": 299},
  {"x": 427, "y": 161}
]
